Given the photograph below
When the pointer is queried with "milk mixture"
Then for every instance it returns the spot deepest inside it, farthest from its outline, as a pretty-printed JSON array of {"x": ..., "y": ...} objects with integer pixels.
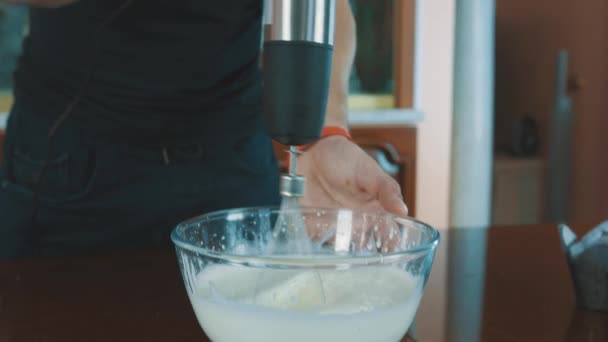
[{"x": 370, "y": 304}]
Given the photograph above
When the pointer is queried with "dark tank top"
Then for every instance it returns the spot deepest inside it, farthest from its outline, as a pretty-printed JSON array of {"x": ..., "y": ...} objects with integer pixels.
[{"x": 163, "y": 70}]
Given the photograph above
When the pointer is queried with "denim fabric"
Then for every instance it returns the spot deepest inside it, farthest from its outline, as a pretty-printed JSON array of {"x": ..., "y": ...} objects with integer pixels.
[{"x": 99, "y": 195}]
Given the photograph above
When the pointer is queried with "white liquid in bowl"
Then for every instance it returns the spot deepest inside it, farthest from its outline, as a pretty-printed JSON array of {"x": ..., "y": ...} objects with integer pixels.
[{"x": 371, "y": 304}]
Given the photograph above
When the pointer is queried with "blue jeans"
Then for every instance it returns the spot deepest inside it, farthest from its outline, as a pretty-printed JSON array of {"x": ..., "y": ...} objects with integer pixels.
[{"x": 98, "y": 194}]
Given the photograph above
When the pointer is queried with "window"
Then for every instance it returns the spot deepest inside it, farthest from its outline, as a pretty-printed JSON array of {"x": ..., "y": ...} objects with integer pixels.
[{"x": 383, "y": 72}]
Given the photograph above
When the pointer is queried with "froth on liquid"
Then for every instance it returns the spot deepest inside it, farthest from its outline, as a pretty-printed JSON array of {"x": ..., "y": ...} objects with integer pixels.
[{"x": 371, "y": 304}]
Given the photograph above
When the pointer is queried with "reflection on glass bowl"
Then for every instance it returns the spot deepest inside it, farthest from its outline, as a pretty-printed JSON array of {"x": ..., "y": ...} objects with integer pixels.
[{"x": 362, "y": 280}]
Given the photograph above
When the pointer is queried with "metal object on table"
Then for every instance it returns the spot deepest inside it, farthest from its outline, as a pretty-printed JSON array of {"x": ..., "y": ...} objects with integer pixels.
[{"x": 588, "y": 262}]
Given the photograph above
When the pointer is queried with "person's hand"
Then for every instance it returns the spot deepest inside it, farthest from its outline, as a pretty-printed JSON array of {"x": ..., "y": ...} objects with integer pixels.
[
  {"x": 339, "y": 174},
  {"x": 40, "y": 3}
]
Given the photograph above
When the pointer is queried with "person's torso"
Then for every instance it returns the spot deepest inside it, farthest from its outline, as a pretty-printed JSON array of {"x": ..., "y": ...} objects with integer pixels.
[{"x": 156, "y": 63}]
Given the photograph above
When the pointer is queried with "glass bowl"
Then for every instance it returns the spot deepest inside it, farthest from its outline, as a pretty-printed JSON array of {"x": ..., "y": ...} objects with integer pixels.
[{"x": 338, "y": 275}]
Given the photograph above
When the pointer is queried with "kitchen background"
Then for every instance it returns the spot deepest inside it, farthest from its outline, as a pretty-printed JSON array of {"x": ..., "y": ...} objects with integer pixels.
[{"x": 493, "y": 113}]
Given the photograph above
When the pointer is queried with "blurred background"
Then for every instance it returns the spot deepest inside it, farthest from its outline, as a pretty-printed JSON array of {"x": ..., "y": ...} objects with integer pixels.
[{"x": 486, "y": 112}]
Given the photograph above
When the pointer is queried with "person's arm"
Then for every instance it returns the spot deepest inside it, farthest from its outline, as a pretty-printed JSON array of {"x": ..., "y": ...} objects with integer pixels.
[
  {"x": 339, "y": 174},
  {"x": 344, "y": 54},
  {"x": 40, "y": 3}
]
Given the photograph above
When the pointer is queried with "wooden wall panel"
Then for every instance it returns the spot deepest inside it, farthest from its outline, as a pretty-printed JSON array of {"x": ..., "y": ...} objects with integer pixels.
[{"x": 529, "y": 35}]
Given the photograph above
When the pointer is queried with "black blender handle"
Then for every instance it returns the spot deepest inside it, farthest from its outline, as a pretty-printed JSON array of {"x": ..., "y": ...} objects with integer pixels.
[{"x": 296, "y": 87}]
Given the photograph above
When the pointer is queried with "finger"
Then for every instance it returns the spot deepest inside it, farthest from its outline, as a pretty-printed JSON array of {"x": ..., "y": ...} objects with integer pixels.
[
  {"x": 378, "y": 232},
  {"x": 390, "y": 235},
  {"x": 371, "y": 230},
  {"x": 389, "y": 195},
  {"x": 367, "y": 226},
  {"x": 373, "y": 180},
  {"x": 345, "y": 230}
]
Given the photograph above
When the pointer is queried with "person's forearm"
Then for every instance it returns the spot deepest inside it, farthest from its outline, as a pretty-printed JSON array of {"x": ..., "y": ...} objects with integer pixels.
[
  {"x": 344, "y": 54},
  {"x": 40, "y": 3}
]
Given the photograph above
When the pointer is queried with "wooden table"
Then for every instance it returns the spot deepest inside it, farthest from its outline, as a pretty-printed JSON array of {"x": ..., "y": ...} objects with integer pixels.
[{"x": 501, "y": 284}]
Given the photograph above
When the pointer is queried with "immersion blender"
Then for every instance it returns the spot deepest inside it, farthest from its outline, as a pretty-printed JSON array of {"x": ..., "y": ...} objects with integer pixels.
[{"x": 297, "y": 69}]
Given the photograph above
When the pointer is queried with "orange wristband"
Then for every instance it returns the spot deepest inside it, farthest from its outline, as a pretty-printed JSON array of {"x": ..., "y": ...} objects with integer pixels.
[
  {"x": 335, "y": 130},
  {"x": 327, "y": 131}
]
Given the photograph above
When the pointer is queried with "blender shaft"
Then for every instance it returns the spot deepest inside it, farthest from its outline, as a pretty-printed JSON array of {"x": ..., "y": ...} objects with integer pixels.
[{"x": 292, "y": 184}]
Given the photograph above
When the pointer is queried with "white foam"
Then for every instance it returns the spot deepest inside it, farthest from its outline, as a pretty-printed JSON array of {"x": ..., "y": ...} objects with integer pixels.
[
  {"x": 235, "y": 303},
  {"x": 290, "y": 235}
]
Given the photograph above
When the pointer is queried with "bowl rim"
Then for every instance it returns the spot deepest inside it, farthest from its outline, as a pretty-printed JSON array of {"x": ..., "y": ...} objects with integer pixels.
[{"x": 287, "y": 261}]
